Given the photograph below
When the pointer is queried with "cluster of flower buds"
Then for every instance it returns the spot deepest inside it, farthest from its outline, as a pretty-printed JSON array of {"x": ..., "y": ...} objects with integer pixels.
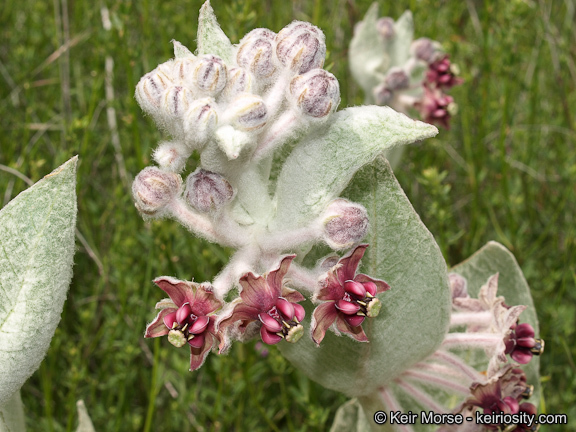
[{"x": 410, "y": 75}]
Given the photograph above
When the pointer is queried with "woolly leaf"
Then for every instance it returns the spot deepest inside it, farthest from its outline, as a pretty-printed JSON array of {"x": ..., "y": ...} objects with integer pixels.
[
  {"x": 211, "y": 38},
  {"x": 319, "y": 168},
  {"x": 84, "y": 420},
  {"x": 12, "y": 415},
  {"x": 400, "y": 44},
  {"x": 416, "y": 310},
  {"x": 36, "y": 256}
]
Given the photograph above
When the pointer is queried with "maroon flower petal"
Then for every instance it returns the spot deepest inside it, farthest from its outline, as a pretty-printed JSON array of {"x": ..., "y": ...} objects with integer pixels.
[
  {"x": 199, "y": 325},
  {"x": 204, "y": 302},
  {"x": 158, "y": 327},
  {"x": 322, "y": 318},
  {"x": 349, "y": 263},
  {"x": 521, "y": 356},
  {"x": 269, "y": 337},
  {"x": 198, "y": 355},
  {"x": 365, "y": 280},
  {"x": 355, "y": 288},
  {"x": 179, "y": 291},
  {"x": 270, "y": 323},
  {"x": 524, "y": 331},
  {"x": 347, "y": 307},
  {"x": 183, "y": 313},
  {"x": 197, "y": 341},
  {"x": 354, "y": 320},
  {"x": 291, "y": 295},
  {"x": 299, "y": 312},
  {"x": 170, "y": 318},
  {"x": 355, "y": 332},
  {"x": 241, "y": 312},
  {"x": 330, "y": 288},
  {"x": 285, "y": 308},
  {"x": 528, "y": 342},
  {"x": 275, "y": 277},
  {"x": 257, "y": 293}
]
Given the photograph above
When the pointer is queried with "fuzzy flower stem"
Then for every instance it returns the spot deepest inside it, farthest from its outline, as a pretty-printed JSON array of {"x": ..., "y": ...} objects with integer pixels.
[
  {"x": 458, "y": 363},
  {"x": 392, "y": 404},
  {"x": 421, "y": 397},
  {"x": 276, "y": 94},
  {"x": 464, "y": 318},
  {"x": 197, "y": 223},
  {"x": 240, "y": 263},
  {"x": 407, "y": 100},
  {"x": 473, "y": 340},
  {"x": 437, "y": 381},
  {"x": 275, "y": 136},
  {"x": 284, "y": 240},
  {"x": 303, "y": 278},
  {"x": 441, "y": 369}
]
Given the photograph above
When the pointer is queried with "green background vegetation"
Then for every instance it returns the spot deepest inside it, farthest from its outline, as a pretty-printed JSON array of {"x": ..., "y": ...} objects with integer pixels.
[{"x": 504, "y": 172}]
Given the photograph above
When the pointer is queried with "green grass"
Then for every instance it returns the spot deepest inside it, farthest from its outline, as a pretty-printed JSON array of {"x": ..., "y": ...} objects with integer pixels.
[{"x": 504, "y": 172}]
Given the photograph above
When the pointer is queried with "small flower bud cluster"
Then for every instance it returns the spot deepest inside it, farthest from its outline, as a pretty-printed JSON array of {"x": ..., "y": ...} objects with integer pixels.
[{"x": 416, "y": 79}]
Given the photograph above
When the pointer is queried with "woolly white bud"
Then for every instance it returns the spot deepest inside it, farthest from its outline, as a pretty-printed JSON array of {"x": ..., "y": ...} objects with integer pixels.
[
  {"x": 301, "y": 47},
  {"x": 207, "y": 191},
  {"x": 382, "y": 94},
  {"x": 176, "y": 101},
  {"x": 256, "y": 53},
  {"x": 153, "y": 189},
  {"x": 209, "y": 75},
  {"x": 182, "y": 69},
  {"x": 247, "y": 112},
  {"x": 150, "y": 89},
  {"x": 345, "y": 223},
  {"x": 397, "y": 79},
  {"x": 385, "y": 27},
  {"x": 238, "y": 81},
  {"x": 316, "y": 93},
  {"x": 200, "y": 120},
  {"x": 171, "y": 156},
  {"x": 426, "y": 50}
]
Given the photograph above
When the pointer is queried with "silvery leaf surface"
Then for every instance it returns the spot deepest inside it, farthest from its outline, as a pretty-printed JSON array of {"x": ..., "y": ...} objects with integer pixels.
[
  {"x": 323, "y": 164},
  {"x": 36, "y": 257},
  {"x": 211, "y": 38},
  {"x": 415, "y": 311}
]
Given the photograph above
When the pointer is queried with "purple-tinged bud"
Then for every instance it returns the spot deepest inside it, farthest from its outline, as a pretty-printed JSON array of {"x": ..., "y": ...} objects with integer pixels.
[
  {"x": 256, "y": 53},
  {"x": 382, "y": 94},
  {"x": 239, "y": 81},
  {"x": 150, "y": 89},
  {"x": 426, "y": 50},
  {"x": 247, "y": 112},
  {"x": 200, "y": 120},
  {"x": 329, "y": 262},
  {"x": 345, "y": 223},
  {"x": 397, "y": 79},
  {"x": 171, "y": 156},
  {"x": 182, "y": 69},
  {"x": 153, "y": 189},
  {"x": 207, "y": 191},
  {"x": 300, "y": 46},
  {"x": 209, "y": 75},
  {"x": 385, "y": 27},
  {"x": 458, "y": 286},
  {"x": 176, "y": 101},
  {"x": 316, "y": 93}
]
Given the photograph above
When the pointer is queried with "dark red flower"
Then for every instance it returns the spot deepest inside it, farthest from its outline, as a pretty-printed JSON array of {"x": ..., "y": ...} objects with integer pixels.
[
  {"x": 187, "y": 317},
  {"x": 441, "y": 74},
  {"x": 265, "y": 299},
  {"x": 521, "y": 344},
  {"x": 349, "y": 298},
  {"x": 436, "y": 107}
]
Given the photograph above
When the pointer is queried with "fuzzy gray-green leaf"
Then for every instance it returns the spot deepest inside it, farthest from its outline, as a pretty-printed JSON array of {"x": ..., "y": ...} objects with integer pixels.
[
  {"x": 211, "y": 38},
  {"x": 319, "y": 168},
  {"x": 495, "y": 258},
  {"x": 36, "y": 256},
  {"x": 416, "y": 310},
  {"x": 12, "y": 415}
]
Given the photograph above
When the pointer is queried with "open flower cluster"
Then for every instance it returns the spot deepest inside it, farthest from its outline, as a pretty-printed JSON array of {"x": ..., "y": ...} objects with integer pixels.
[
  {"x": 488, "y": 325},
  {"x": 236, "y": 113},
  {"x": 401, "y": 72}
]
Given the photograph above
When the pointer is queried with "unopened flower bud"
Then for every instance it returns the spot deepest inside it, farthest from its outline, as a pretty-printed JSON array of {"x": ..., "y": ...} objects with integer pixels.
[
  {"x": 207, "y": 191},
  {"x": 238, "y": 81},
  {"x": 182, "y": 69},
  {"x": 426, "y": 50},
  {"x": 176, "y": 101},
  {"x": 382, "y": 94},
  {"x": 316, "y": 93},
  {"x": 171, "y": 156},
  {"x": 150, "y": 89},
  {"x": 247, "y": 112},
  {"x": 209, "y": 74},
  {"x": 397, "y": 79},
  {"x": 301, "y": 47},
  {"x": 345, "y": 223},
  {"x": 385, "y": 27},
  {"x": 256, "y": 53},
  {"x": 458, "y": 286},
  {"x": 153, "y": 189},
  {"x": 200, "y": 120}
]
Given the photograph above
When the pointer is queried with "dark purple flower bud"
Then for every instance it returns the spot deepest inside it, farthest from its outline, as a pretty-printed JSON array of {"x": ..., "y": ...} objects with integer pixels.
[
  {"x": 385, "y": 27},
  {"x": 153, "y": 189},
  {"x": 256, "y": 53},
  {"x": 301, "y": 47},
  {"x": 238, "y": 81},
  {"x": 176, "y": 101},
  {"x": 207, "y": 191},
  {"x": 426, "y": 50},
  {"x": 209, "y": 75},
  {"x": 345, "y": 223},
  {"x": 521, "y": 344},
  {"x": 150, "y": 89},
  {"x": 397, "y": 79},
  {"x": 316, "y": 93},
  {"x": 247, "y": 112}
]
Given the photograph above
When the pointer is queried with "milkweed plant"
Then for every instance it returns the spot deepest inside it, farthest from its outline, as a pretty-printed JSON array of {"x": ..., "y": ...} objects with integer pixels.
[{"x": 331, "y": 262}]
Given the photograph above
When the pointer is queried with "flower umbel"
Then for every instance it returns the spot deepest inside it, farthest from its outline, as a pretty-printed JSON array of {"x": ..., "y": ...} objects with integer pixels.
[
  {"x": 187, "y": 317},
  {"x": 349, "y": 298}
]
